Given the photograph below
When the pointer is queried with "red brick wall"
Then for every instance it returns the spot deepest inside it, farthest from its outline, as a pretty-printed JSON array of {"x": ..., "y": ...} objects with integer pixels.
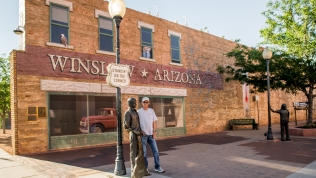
[
  {"x": 208, "y": 49},
  {"x": 208, "y": 108}
]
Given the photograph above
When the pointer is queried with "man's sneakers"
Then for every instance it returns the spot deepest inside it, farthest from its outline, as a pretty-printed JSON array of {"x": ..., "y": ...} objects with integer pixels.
[{"x": 160, "y": 170}]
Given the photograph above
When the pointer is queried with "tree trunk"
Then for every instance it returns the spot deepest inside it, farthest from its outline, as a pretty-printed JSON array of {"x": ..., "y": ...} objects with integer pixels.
[
  {"x": 310, "y": 108},
  {"x": 3, "y": 125}
]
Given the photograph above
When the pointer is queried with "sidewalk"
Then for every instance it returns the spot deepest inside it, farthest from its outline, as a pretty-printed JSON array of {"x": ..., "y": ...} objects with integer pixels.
[
  {"x": 11, "y": 167},
  {"x": 240, "y": 153}
]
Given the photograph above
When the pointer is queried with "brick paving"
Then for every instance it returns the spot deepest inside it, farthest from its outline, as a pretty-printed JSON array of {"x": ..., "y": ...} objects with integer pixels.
[{"x": 240, "y": 153}]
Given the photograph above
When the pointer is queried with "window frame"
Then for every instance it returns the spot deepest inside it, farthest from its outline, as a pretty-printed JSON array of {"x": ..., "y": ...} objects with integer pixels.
[
  {"x": 87, "y": 107},
  {"x": 171, "y": 48},
  {"x": 148, "y": 26},
  {"x": 176, "y": 34},
  {"x": 104, "y": 34},
  {"x": 145, "y": 43},
  {"x": 51, "y": 23}
]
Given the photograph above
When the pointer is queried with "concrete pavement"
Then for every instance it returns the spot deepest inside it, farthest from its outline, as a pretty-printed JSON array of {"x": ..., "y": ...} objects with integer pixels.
[{"x": 240, "y": 153}]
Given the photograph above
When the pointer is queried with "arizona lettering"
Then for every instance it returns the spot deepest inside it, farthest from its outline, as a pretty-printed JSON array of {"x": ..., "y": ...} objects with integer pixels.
[{"x": 177, "y": 77}]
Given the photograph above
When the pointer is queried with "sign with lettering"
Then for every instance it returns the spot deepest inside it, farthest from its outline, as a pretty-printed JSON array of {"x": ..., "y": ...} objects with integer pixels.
[
  {"x": 300, "y": 104},
  {"x": 118, "y": 75}
]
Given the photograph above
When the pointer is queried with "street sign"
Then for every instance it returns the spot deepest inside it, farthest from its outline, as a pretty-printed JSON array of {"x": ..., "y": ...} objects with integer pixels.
[
  {"x": 118, "y": 75},
  {"x": 300, "y": 104}
]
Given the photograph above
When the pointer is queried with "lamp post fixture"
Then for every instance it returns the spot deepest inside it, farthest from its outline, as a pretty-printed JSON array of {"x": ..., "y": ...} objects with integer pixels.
[
  {"x": 267, "y": 55},
  {"x": 117, "y": 10}
]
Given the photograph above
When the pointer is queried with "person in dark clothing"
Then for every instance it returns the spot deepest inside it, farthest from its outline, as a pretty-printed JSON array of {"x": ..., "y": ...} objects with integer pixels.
[
  {"x": 284, "y": 121},
  {"x": 132, "y": 125}
]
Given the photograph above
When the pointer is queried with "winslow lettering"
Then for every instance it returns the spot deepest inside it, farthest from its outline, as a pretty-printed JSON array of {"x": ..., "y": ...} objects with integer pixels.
[{"x": 76, "y": 65}]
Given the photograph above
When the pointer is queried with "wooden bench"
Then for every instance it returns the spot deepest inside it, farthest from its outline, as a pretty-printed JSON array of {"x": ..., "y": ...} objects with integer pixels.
[{"x": 234, "y": 122}]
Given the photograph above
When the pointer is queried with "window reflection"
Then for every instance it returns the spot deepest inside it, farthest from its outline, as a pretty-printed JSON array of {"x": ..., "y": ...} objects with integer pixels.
[
  {"x": 78, "y": 114},
  {"x": 169, "y": 111}
]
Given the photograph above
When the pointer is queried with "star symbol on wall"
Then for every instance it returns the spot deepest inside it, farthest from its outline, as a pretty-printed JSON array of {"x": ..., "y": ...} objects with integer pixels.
[{"x": 144, "y": 73}]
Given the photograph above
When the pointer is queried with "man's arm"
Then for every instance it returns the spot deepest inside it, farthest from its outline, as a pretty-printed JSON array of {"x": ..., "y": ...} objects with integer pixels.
[
  {"x": 273, "y": 110},
  {"x": 127, "y": 121}
]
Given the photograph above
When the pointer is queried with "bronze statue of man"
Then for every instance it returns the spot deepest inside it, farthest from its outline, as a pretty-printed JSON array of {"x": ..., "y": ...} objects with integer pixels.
[
  {"x": 284, "y": 121},
  {"x": 132, "y": 125}
]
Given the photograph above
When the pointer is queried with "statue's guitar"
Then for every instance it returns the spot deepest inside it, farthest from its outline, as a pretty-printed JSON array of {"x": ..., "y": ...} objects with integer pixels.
[{"x": 140, "y": 169}]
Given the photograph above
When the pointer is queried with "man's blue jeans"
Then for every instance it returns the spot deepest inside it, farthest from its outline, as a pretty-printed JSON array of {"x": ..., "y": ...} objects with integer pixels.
[{"x": 152, "y": 143}]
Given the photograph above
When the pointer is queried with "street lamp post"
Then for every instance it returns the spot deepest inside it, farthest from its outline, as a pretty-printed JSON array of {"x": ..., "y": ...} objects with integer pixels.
[
  {"x": 117, "y": 10},
  {"x": 267, "y": 55}
]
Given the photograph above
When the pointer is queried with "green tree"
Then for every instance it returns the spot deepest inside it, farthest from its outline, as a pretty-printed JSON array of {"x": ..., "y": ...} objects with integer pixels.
[
  {"x": 4, "y": 89},
  {"x": 291, "y": 30}
]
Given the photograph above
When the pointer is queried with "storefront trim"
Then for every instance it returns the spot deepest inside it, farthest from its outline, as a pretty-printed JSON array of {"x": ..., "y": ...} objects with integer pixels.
[
  {"x": 67, "y": 86},
  {"x": 75, "y": 141},
  {"x": 170, "y": 132}
]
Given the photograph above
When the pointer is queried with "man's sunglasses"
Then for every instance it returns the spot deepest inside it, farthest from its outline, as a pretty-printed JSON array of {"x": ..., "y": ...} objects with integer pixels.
[{"x": 145, "y": 102}]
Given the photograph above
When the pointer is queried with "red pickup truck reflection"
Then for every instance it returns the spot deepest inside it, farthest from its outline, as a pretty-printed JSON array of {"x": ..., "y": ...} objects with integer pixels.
[{"x": 105, "y": 120}]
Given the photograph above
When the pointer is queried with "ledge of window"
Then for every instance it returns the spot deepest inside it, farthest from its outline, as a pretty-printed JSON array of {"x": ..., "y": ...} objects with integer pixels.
[
  {"x": 175, "y": 64},
  {"x": 147, "y": 59},
  {"x": 59, "y": 45},
  {"x": 105, "y": 52}
]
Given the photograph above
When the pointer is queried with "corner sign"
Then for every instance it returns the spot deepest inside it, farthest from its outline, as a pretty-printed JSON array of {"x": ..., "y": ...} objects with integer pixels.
[{"x": 118, "y": 75}]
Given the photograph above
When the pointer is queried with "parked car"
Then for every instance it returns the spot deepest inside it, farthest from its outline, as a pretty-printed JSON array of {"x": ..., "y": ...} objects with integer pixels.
[{"x": 105, "y": 120}]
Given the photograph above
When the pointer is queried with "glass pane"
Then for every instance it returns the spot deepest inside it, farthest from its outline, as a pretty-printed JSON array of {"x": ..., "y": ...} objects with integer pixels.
[
  {"x": 106, "y": 31},
  {"x": 102, "y": 114},
  {"x": 106, "y": 43},
  {"x": 66, "y": 112},
  {"x": 60, "y": 23},
  {"x": 147, "y": 52},
  {"x": 175, "y": 54},
  {"x": 56, "y": 31},
  {"x": 146, "y": 29},
  {"x": 174, "y": 42},
  {"x": 155, "y": 103},
  {"x": 146, "y": 37},
  {"x": 173, "y": 112},
  {"x": 59, "y": 14},
  {"x": 106, "y": 26},
  {"x": 169, "y": 111}
]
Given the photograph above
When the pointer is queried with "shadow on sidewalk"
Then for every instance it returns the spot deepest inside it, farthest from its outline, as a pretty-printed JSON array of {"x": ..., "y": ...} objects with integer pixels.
[
  {"x": 299, "y": 150},
  {"x": 5, "y": 141},
  {"x": 105, "y": 155}
]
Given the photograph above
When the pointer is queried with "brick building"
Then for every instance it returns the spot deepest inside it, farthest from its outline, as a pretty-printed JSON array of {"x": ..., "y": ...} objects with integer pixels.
[{"x": 54, "y": 86}]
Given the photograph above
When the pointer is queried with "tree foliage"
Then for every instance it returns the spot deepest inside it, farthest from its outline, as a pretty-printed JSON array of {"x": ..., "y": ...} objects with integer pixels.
[
  {"x": 291, "y": 26},
  {"x": 291, "y": 31},
  {"x": 250, "y": 67},
  {"x": 4, "y": 89}
]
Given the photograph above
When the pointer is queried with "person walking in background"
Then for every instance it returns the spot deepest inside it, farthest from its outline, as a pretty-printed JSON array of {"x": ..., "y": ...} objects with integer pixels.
[
  {"x": 284, "y": 121},
  {"x": 148, "y": 118}
]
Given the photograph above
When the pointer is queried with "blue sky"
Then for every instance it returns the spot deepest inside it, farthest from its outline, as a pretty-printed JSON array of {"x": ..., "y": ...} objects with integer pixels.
[{"x": 232, "y": 19}]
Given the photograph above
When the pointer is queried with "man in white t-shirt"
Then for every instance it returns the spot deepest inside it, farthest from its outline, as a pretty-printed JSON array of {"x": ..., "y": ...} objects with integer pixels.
[{"x": 148, "y": 118}]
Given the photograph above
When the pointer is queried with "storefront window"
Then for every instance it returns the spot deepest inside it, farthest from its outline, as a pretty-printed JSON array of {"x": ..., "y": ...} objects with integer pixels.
[
  {"x": 81, "y": 114},
  {"x": 169, "y": 111}
]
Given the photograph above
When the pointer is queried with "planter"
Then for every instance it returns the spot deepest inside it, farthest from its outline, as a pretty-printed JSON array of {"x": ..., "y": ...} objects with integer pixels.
[{"x": 305, "y": 132}]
